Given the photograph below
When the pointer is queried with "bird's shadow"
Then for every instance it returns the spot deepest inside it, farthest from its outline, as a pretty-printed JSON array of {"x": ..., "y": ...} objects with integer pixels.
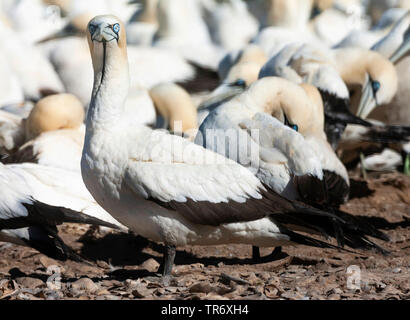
[
  {"x": 359, "y": 189},
  {"x": 128, "y": 249}
]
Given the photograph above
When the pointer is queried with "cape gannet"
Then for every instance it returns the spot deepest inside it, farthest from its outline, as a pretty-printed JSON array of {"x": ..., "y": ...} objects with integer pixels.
[{"x": 166, "y": 188}]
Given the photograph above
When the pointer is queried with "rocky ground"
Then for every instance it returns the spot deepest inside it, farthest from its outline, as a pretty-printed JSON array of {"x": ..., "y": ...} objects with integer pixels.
[{"x": 124, "y": 266}]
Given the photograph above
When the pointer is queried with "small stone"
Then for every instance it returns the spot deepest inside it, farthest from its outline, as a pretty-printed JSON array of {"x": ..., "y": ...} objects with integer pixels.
[
  {"x": 380, "y": 286},
  {"x": 27, "y": 282},
  {"x": 254, "y": 280},
  {"x": 103, "y": 264},
  {"x": 130, "y": 284},
  {"x": 334, "y": 291},
  {"x": 140, "y": 291},
  {"x": 178, "y": 270},
  {"x": 271, "y": 291},
  {"x": 366, "y": 287},
  {"x": 84, "y": 284},
  {"x": 102, "y": 292},
  {"x": 396, "y": 270},
  {"x": 200, "y": 287},
  {"x": 47, "y": 262},
  {"x": 150, "y": 265}
]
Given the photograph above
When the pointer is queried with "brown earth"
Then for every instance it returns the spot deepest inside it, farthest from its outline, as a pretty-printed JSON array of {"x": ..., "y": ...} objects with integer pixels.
[{"x": 124, "y": 266}]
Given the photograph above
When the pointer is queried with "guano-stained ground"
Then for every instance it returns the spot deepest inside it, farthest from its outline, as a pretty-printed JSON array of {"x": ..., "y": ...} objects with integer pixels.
[{"x": 124, "y": 266}]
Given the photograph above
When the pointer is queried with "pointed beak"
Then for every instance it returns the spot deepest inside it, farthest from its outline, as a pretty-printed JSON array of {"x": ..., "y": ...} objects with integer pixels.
[
  {"x": 368, "y": 101},
  {"x": 104, "y": 33},
  {"x": 403, "y": 50},
  {"x": 223, "y": 93},
  {"x": 66, "y": 32}
]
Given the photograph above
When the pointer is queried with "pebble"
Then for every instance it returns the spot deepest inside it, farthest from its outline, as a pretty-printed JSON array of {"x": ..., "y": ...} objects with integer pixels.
[
  {"x": 150, "y": 265},
  {"x": 140, "y": 291},
  {"x": 84, "y": 284},
  {"x": 200, "y": 287},
  {"x": 396, "y": 270},
  {"x": 47, "y": 262},
  {"x": 27, "y": 282}
]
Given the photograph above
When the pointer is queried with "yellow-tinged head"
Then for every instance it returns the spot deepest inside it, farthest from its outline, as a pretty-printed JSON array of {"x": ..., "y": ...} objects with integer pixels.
[
  {"x": 175, "y": 104},
  {"x": 59, "y": 111},
  {"x": 108, "y": 48},
  {"x": 299, "y": 107}
]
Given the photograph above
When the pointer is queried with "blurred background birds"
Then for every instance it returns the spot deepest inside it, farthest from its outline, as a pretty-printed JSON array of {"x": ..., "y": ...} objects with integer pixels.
[{"x": 336, "y": 72}]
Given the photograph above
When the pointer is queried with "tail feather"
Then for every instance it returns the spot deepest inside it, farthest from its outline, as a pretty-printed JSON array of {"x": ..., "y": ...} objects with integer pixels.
[
  {"x": 45, "y": 239},
  {"x": 344, "y": 227},
  {"x": 388, "y": 134},
  {"x": 52, "y": 215}
]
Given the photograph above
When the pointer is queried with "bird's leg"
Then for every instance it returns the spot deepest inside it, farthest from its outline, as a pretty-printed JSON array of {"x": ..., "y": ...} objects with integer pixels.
[
  {"x": 256, "y": 256},
  {"x": 168, "y": 260},
  {"x": 275, "y": 253},
  {"x": 271, "y": 257}
]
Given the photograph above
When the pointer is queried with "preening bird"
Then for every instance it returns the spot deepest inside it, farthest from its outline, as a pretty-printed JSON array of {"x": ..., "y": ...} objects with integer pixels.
[
  {"x": 52, "y": 134},
  {"x": 170, "y": 190}
]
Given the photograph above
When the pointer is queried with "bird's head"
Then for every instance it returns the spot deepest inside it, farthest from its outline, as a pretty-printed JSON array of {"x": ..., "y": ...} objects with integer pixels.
[
  {"x": 108, "y": 47},
  {"x": 106, "y": 30},
  {"x": 379, "y": 88},
  {"x": 404, "y": 49}
]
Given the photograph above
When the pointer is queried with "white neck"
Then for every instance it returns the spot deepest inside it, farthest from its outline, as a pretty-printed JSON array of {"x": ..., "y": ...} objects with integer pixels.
[{"x": 111, "y": 86}]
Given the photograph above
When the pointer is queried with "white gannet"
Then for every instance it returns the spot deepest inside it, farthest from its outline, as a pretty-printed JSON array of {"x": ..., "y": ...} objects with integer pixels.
[
  {"x": 149, "y": 66},
  {"x": 237, "y": 70},
  {"x": 183, "y": 30},
  {"x": 372, "y": 38},
  {"x": 143, "y": 24},
  {"x": 166, "y": 188},
  {"x": 34, "y": 72},
  {"x": 251, "y": 54},
  {"x": 11, "y": 90},
  {"x": 230, "y": 23},
  {"x": 375, "y": 74},
  {"x": 304, "y": 168},
  {"x": 282, "y": 13},
  {"x": 54, "y": 132},
  {"x": 376, "y": 8},
  {"x": 35, "y": 199},
  {"x": 299, "y": 107},
  {"x": 11, "y": 132},
  {"x": 33, "y": 20},
  {"x": 396, "y": 47},
  {"x": 175, "y": 109},
  {"x": 311, "y": 64}
]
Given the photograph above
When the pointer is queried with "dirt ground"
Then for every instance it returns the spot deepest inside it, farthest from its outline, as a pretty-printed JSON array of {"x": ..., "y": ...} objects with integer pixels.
[{"x": 124, "y": 266}]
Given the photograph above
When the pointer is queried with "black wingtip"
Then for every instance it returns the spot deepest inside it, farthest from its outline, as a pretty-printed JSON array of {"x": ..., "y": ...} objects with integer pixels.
[
  {"x": 57, "y": 215},
  {"x": 46, "y": 240},
  {"x": 388, "y": 134}
]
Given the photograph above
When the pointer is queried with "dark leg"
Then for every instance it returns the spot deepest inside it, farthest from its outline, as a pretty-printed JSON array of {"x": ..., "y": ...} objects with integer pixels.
[
  {"x": 168, "y": 260},
  {"x": 256, "y": 256},
  {"x": 271, "y": 257},
  {"x": 276, "y": 253}
]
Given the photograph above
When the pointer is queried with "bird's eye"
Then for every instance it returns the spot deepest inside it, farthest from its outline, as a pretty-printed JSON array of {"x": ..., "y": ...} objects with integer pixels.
[
  {"x": 240, "y": 83},
  {"x": 116, "y": 27},
  {"x": 91, "y": 28},
  {"x": 290, "y": 125},
  {"x": 375, "y": 86}
]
